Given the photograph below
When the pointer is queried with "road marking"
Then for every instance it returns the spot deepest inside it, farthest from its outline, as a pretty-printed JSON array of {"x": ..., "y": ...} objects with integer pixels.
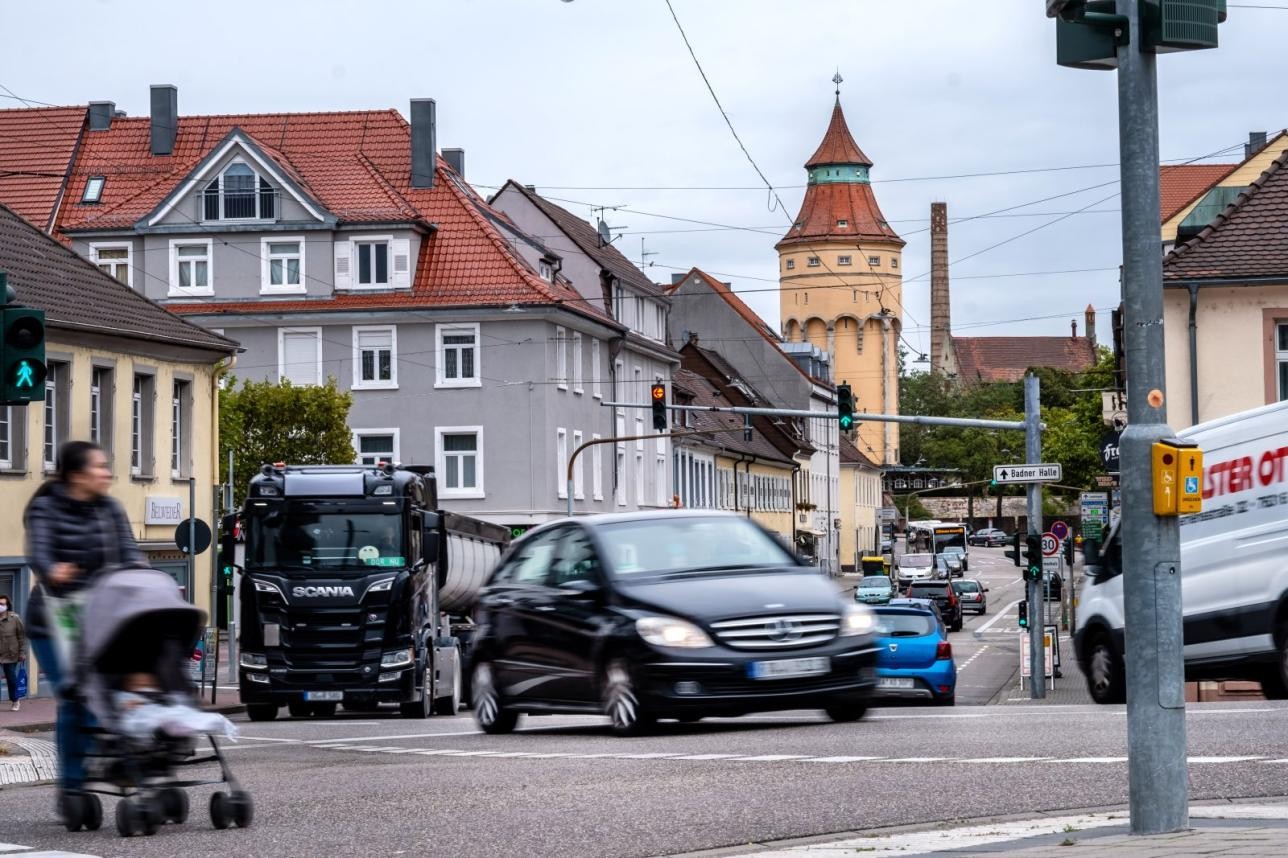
[
  {"x": 1092, "y": 760},
  {"x": 1000, "y": 614},
  {"x": 770, "y": 758},
  {"x": 840, "y": 759},
  {"x": 23, "y": 852},
  {"x": 1004, "y": 760},
  {"x": 1207, "y": 760},
  {"x": 968, "y": 661}
]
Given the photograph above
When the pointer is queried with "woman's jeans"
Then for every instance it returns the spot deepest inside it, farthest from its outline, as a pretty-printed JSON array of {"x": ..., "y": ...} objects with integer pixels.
[
  {"x": 73, "y": 719},
  {"x": 11, "y": 678}
]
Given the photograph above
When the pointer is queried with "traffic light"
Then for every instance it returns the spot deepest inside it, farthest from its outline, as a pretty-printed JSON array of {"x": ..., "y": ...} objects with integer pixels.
[
  {"x": 22, "y": 351},
  {"x": 1014, "y": 551},
  {"x": 1033, "y": 557},
  {"x": 845, "y": 406},
  {"x": 746, "y": 428},
  {"x": 227, "y": 566},
  {"x": 658, "y": 396},
  {"x": 1024, "y": 613},
  {"x": 1068, "y": 550}
]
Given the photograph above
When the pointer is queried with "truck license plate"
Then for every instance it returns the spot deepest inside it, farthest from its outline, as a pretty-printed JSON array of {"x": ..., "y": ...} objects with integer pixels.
[
  {"x": 789, "y": 667},
  {"x": 324, "y": 696}
]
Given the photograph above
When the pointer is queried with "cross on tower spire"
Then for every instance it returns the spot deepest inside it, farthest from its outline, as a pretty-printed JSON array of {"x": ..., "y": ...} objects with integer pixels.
[{"x": 838, "y": 80}]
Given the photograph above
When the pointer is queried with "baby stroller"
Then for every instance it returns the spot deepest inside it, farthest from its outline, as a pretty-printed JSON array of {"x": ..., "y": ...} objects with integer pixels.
[{"x": 135, "y": 622}]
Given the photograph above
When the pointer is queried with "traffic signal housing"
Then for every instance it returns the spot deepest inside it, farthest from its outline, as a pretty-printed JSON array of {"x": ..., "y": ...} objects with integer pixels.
[
  {"x": 1024, "y": 613},
  {"x": 1033, "y": 557},
  {"x": 22, "y": 355},
  {"x": 227, "y": 567},
  {"x": 845, "y": 407},
  {"x": 657, "y": 395},
  {"x": 1014, "y": 551}
]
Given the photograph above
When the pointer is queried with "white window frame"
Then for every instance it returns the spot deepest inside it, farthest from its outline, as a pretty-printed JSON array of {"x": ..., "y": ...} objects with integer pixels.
[
  {"x": 136, "y": 427},
  {"x": 97, "y": 196},
  {"x": 561, "y": 463},
  {"x": 95, "y": 406},
  {"x": 596, "y": 380},
  {"x": 813, "y": 262},
  {"x": 440, "y": 362},
  {"x": 597, "y": 469},
  {"x": 874, "y": 261},
  {"x": 844, "y": 259},
  {"x": 281, "y": 352},
  {"x": 576, "y": 364},
  {"x": 49, "y": 425},
  {"x": 639, "y": 462},
  {"x": 266, "y": 258},
  {"x": 894, "y": 262},
  {"x": 257, "y": 192},
  {"x": 358, "y": 382},
  {"x": 1281, "y": 357},
  {"x": 440, "y": 462},
  {"x": 842, "y": 223},
  {"x": 177, "y": 291},
  {"x": 7, "y": 437},
  {"x": 791, "y": 263},
  {"x": 178, "y": 448},
  {"x": 659, "y": 472},
  {"x": 359, "y": 434},
  {"x": 128, "y": 247},
  {"x": 578, "y": 468},
  {"x": 619, "y": 465},
  {"x": 561, "y": 358},
  {"x": 354, "y": 268}
]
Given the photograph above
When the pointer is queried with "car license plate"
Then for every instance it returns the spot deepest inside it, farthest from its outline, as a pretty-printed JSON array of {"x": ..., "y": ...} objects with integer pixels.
[
  {"x": 894, "y": 682},
  {"x": 324, "y": 696},
  {"x": 789, "y": 667}
]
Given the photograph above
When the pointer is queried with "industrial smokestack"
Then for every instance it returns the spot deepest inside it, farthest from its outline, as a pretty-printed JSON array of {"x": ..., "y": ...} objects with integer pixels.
[{"x": 941, "y": 325}]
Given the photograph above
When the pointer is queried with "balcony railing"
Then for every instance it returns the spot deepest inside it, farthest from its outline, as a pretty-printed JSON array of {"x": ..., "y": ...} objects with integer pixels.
[{"x": 261, "y": 204}]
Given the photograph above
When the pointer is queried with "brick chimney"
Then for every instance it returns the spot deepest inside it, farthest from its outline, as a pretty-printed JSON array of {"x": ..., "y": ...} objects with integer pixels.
[
  {"x": 1091, "y": 325},
  {"x": 423, "y": 145},
  {"x": 1073, "y": 326},
  {"x": 943, "y": 360},
  {"x": 165, "y": 118}
]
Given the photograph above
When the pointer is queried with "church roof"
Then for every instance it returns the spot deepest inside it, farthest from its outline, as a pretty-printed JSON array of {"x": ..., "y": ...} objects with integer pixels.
[
  {"x": 1008, "y": 358},
  {"x": 838, "y": 146}
]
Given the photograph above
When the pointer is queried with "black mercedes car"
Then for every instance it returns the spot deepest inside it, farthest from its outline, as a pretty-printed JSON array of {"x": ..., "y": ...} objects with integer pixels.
[{"x": 679, "y": 615}]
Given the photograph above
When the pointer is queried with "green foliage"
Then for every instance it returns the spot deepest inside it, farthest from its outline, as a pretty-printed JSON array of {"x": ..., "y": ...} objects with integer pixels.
[
  {"x": 1073, "y": 419},
  {"x": 262, "y": 422}
]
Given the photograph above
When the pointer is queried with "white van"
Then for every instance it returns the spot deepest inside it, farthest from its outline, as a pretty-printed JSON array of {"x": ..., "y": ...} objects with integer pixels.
[{"x": 1234, "y": 566}]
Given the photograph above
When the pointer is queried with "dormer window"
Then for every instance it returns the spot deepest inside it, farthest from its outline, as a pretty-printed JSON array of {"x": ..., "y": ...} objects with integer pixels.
[
  {"x": 842, "y": 224},
  {"x": 239, "y": 193},
  {"x": 547, "y": 271},
  {"x": 93, "y": 189}
]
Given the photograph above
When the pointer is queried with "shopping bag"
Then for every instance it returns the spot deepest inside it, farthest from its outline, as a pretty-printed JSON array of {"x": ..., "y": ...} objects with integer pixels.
[
  {"x": 22, "y": 681},
  {"x": 64, "y": 614}
]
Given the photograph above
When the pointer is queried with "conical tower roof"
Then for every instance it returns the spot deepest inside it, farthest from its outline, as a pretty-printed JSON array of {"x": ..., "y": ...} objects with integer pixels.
[{"x": 838, "y": 146}]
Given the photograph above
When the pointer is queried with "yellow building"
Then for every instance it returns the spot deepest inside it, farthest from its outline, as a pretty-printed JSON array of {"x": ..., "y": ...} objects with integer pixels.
[
  {"x": 860, "y": 499},
  {"x": 841, "y": 276},
  {"x": 127, "y": 374}
]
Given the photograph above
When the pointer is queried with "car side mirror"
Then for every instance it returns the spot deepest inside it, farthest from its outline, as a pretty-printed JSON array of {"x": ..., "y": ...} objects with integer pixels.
[
  {"x": 985, "y": 589},
  {"x": 582, "y": 589}
]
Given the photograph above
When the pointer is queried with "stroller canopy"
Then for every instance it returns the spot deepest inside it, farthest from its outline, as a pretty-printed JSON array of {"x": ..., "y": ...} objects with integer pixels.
[{"x": 134, "y": 611}]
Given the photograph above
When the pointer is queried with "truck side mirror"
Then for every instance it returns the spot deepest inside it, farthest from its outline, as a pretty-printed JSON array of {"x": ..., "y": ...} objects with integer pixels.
[{"x": 429, "y": 544}]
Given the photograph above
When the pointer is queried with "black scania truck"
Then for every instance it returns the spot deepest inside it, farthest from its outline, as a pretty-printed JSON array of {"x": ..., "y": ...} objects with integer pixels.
[{"x": 357, "y": 589}]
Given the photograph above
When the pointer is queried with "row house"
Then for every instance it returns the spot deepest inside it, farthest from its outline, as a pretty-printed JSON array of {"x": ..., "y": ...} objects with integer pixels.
[{"x": 342, "y": 246}]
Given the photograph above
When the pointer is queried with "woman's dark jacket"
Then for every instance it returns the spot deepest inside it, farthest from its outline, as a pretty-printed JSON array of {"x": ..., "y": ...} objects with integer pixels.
[{"x": 93, "y": 535}]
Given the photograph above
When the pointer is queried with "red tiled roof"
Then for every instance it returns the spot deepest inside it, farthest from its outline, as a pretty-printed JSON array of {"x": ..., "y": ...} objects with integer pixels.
[
  {"x": 705, "y": 393},
  {"x": 851, "y": 455},
  {"x": 36, "y": 150},
  {"x": 1182, "y": 184},
  {"x": 1248, "y": 239},
  {"x": 838, "y": 146},
  {"x": 1007, "y": 358},
  {"x": 825, "y": 204}
]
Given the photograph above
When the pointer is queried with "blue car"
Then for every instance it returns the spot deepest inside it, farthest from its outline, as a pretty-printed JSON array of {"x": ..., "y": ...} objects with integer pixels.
[{"x": 914, "y": 657}]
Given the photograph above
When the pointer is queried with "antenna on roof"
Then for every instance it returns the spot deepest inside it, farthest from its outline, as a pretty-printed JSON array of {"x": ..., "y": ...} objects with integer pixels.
[
  {"x": 605, "y": 231},
  {"x": 645, "y": 254}
]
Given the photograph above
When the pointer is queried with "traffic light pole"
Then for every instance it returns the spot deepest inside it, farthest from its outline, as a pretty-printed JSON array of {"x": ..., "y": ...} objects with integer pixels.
[
  {"x": 1156, "y": 742},
  {"x": 1033, "y": 587}
]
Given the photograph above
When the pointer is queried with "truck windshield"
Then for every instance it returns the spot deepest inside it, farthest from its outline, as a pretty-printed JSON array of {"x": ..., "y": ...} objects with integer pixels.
[{"x": 310, "y": 537}]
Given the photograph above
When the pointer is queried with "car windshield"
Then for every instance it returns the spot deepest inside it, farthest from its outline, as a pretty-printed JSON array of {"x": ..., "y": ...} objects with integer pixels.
[
  {"x": 966, "y": 586},
  {"x": 898, "y": 624},
  {"x": 676, "y": 543},
  {"x": 915, "y": 561},
  {"x": 875, "y": 582},
  {"x": 303, "y": 535}
]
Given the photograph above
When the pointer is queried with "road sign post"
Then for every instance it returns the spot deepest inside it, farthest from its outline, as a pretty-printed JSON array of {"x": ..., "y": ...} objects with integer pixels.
[{"x": 1033, "y": 453}]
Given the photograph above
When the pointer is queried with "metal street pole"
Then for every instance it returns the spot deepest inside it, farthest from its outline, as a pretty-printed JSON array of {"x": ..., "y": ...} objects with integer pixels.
[
  {"x": 1037, "y": 608},
  {"x": 1156, "y": 764}
]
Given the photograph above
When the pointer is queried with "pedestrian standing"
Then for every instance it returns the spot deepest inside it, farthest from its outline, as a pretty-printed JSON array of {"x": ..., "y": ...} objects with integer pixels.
[
  {"x": 13, "y": 649},
  {"x": 75, "y": 531}
]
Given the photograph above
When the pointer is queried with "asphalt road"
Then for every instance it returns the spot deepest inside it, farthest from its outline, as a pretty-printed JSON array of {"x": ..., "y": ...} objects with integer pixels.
[{"x": 564, "y": 785}]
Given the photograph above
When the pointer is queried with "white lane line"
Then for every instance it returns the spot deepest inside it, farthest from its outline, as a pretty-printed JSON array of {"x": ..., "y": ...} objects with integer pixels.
[
  {"x": 1240, "y": 811},
  {"x": 840, "y": 759},
  {"x": 1000, "y": 614},
  {"x": 968, "y": 661},
  {"x": 1004, "y": 760},
  {"x": 770, "y": 758},
  {"x": 1209, "y": 760},
  {"x": 718, "y": 757},
  {"x": 1091, "y": 760}
]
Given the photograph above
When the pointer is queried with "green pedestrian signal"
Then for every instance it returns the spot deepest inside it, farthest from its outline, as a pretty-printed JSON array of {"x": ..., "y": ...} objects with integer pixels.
[
  {"x": 1024, "y": 613},
  {"x": 845, "y": 406},
  {"x": 23, "y": 355}
]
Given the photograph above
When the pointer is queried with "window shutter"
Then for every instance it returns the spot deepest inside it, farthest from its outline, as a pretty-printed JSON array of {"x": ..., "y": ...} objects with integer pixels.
[
  {"x": 400, "y": 250},
  {"x": 343, "y": 264},
  {"x": 300, "y": 357}
]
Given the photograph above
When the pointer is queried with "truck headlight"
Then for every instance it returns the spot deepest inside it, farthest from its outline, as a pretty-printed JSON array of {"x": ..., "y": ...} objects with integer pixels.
[
  {"x": 398, "y": 658},
  {"x": 857, "y": 620},
  {"x": 672, "y": 632},
  {"x": 254, "y": 661}
]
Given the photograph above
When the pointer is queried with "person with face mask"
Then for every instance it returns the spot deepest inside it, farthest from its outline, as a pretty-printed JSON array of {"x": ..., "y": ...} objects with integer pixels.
[
  {"x": 13, "y": 649},
  {"x": 75, "y": 531}
]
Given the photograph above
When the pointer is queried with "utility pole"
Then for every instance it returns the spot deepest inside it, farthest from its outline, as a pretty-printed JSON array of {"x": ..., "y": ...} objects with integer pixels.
[
  {"x": 1033, "y": 588},
  {"x": 1127, "y": 35}
]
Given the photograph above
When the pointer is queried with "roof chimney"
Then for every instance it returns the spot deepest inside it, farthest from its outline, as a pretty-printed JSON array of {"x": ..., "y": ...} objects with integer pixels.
[
  {"x": 1073, "y": 324},
  {"x": 1256, "y": 142},
  {"x": 532, "y": 189},
  {"x": 677, "y": 277},
  {"x": 100, "y": 115},
  {"x": 941, "y": 325},
  {"x": 455, "y": 159},
  {"x": 165, "y": 118},
  {"x": 423, "y": 144},
  {"x": 1090, "y": 316}
]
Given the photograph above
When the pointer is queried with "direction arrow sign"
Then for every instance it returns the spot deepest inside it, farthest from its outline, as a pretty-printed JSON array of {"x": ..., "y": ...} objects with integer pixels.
[{"x": 1028, "y": 473}]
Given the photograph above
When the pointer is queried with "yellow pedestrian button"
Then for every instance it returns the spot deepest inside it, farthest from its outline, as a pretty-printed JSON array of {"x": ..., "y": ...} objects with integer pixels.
[{"x": 1178, "y": 473}]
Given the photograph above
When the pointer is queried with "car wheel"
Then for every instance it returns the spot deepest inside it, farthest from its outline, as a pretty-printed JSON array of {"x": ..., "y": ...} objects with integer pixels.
[
  {"x": 261, "y": 711},
  {"x": 623, "y": 703},
  {"x": 1274, "y": 683},
  {"x": 947, "y": 700},
  {"x": 491, "y": 714},
  {"x": 1105, "y": 676},
  {"x": 844, "y": 710}
]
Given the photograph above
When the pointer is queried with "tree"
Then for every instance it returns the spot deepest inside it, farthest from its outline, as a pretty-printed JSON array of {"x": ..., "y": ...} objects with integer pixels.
[{"x": 261, "y": 421}]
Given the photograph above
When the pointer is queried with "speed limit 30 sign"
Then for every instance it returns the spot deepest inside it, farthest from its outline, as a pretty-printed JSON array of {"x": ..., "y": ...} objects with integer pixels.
[{"x": 1050, "y": 545}]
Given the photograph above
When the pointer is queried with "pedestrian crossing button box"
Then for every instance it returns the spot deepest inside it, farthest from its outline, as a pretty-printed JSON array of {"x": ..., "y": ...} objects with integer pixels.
[{"x": 1177, "y": 477}]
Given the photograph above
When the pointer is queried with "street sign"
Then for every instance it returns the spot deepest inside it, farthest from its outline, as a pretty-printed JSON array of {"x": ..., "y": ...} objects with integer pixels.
[
  {"x": 1109, "y": 455},
  {"x": 1107, "y": 481},
  {"x": 887, "y": 515},
  {"x": 1061, "y": 530},
  {"x": 1048, "y": 641},
  {"x": 1051, "y": 564},
  {"x": 1050, "y": 545},
  {"x": 1049, "y": 473},
  {"x": 201, "y": 531}
]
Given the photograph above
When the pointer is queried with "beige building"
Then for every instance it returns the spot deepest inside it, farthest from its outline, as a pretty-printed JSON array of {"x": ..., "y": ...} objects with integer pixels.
[
  {"x": 860, "y": 499},
  {"x": 1226, "y": 304},
  {"x": 127, "y": 374}
]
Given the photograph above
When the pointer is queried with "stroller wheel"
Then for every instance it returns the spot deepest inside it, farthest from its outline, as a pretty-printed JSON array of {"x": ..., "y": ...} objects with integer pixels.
[
  {"x": 72, "y": 806},
  {"x": 174, "y": 805},
  {"x": 151, "y": 813},
  {"x": 220, "y": 811},
  {"x": 93, "y": 819},
  {"x": 243, "y": 808},
  {"x": 128, "y": 819}
]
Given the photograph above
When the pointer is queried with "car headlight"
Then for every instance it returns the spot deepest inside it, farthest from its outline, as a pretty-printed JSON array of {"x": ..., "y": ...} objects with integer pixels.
[
  {"x": 253, "y": 661},
  {"x": 398, "y": 658},
  {"x": 671, "y": 632},
  {"x": 857, "y": 620}
]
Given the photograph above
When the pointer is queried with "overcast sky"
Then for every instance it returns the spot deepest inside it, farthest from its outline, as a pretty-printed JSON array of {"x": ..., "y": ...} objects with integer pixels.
[{"x": 597, "y": 102}]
